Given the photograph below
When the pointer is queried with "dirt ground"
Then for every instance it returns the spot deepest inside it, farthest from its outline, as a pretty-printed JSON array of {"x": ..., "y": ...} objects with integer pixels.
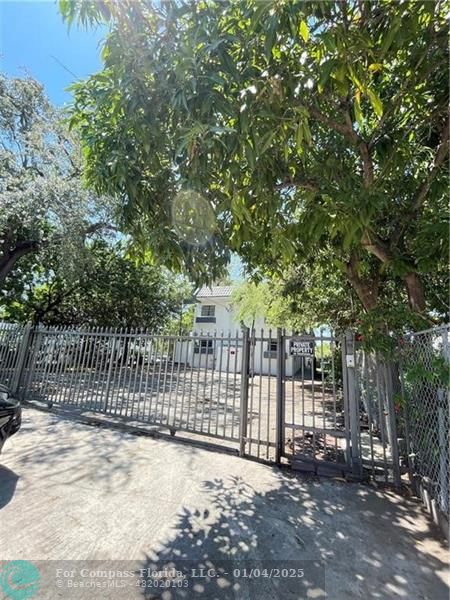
[{"x": 76, "y": 497}]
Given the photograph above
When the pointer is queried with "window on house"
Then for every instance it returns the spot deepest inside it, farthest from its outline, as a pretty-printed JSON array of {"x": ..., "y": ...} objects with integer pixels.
[
  {"x": 208, "y": 310},
  {"x": 203, "y": 347},
  {"x": 272, "y": 346}
]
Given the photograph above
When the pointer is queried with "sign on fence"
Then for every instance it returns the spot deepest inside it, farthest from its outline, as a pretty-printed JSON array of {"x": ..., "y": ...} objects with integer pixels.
[{"x": 301, "y": 347}]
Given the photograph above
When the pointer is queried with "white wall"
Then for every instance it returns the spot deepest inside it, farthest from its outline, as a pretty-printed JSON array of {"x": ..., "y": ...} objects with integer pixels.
[{"x": 223, "y": 314}]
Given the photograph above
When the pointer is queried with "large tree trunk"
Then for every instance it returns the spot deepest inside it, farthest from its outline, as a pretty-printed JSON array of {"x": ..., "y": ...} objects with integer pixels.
[
  {"x": 367, "y": 290},
  {"x": 367, "y": 293},
  {"x": 9, "y": 258},
  {"x": 416, "y": 293},
  {"x": 413, "y": 284}
]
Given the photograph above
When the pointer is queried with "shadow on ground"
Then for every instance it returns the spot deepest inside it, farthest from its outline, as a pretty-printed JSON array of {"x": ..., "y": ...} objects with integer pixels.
[
  {"x": 98, "y": 494},
  {"x": 92, "y": 454},
  {"x": 369, "y": 548}
]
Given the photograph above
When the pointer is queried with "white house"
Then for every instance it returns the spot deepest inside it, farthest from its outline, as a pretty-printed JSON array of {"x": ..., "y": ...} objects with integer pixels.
[{"x": 216, "y": 340}]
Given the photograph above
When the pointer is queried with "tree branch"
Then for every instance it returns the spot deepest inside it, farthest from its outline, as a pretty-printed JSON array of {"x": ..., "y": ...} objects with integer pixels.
[
  {"x": 95, "y": 227},
  {"x": 341, "y": 128},
  {"x": 367, "y": 291},
  {"x": 422, "y": 191},
  {"x": 440, "y": 156},
  {"x": 346, "y": 129},
  {"x": 307, "y": 185},
  {"x": 9, "y": 259},
  {"x": 375, "y": 245}
]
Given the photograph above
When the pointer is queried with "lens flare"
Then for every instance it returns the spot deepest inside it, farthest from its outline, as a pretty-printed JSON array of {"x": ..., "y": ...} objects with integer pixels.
[{"x": 193, "y": 218}]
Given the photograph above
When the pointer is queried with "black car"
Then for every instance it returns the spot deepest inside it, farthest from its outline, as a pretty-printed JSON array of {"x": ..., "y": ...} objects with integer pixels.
[{"x": 10, "y": 415}]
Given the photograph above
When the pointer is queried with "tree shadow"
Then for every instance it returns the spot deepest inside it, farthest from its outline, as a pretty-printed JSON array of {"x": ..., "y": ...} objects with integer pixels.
[
  {"x": 349, "y": 541},
  {"x": 112, "y": 455}
]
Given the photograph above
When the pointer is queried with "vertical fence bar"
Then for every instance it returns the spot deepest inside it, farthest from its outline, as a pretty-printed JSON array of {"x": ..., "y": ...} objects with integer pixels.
[
  {"x": 269, "y": 397},
  {"x": 244, "y": 390},
  {"x": 279, "y": 426},
  {"x": 81, "y": 363},
  {"x": 89, "y": 365},
  {"x": 34, "y": 343},
  {"x": 136, "y": 349},
  {"x": 21, "y": 359},
  {"x": 381, "y": 413},
  {"x": 50, "y": 391},
  {"x": 233, "y": 412},
  {"x": 352, "y": 404},
  {"x": 102, "y": 361},
  {"x": 171, "y": 384},
  {"x": 219, "y": 383},
  {"x": 345, "y": 399},
  {"x": 142, "y": 351},
  {"x": 368, "y": 391},
  {"x": 392, "y": 424},
  {"x": 178, "y": 355},
  {"x": 205, "y": 378},
  {"x": 252, "y": 385},
  {"x": 443, "y": 439},
  {"x": 181, "y": 373},
  {"x": 149, "y": 354},
  {"x": 261, "y": 353},
  {"x": 109, "y": 375}
]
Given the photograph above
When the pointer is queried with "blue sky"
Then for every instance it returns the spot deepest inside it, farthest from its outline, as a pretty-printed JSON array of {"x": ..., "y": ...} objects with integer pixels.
[{"x": 35, "y": 40}]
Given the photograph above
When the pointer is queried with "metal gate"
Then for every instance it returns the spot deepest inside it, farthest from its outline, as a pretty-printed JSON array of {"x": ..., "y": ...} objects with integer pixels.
[
  {"x": 296, "y": 406},
  {"x": 320, "y": 403},
  {"x": 316, "y": 425},
  {"x": 317, "y": 402}
]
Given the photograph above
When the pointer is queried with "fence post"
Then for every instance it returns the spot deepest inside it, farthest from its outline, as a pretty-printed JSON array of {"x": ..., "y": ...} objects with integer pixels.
[
  {"x": 353, "y": 404},
  {"x": 443, "y": 416},
  {"x": 345, "y": 399},
  {"x": 108, "y": 377},
  {"x": 243, "y": 416},
  {"x": 21, "y": 359},
  {"x": 412, "y": 479},
  {"x": 34, "y": 344},
  {"x": 279, "y": 436},
  {"x": 392, "y": 424}
]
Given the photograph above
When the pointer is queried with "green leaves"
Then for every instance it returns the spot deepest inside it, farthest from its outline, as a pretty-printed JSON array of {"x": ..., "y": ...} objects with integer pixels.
[
  {"x": 270, "y": 36},
  {"x": 376, "y": 103},
  {"x": 358, "y": 111},
  {"x": 304, "y": 31},
  {"x": 279, "y": 113}
]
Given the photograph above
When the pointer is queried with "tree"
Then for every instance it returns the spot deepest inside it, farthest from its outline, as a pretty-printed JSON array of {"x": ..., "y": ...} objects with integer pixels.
[
  {"x": 44, "y": 204},
  {"x": 111, "y": 290},
  {"x": 287, "y": 127}
]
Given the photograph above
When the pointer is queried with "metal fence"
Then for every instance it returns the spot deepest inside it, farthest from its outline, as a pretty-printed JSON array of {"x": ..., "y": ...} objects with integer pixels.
[
  {"x": 378, "y": 427},
  {"x": 237, "y": 387},
  {"x": 156, "y": 379},
  {"x": 319, "y": 402},
  {"x": 12, "y": 352},
  {"x": 425, "y": 359},
  {"x": 240, "y": 388}
]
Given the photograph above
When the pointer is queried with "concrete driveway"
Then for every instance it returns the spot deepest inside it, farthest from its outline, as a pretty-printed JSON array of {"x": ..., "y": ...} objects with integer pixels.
[{"x": 76, "y": 497}]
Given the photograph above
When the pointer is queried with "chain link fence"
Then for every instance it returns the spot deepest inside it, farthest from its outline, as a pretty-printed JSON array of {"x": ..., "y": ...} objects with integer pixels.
[{"x": 424, "y": 359}]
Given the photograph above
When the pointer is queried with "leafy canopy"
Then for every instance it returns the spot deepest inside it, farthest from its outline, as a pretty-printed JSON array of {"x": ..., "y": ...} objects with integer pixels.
[
  {"x": 44, "y": 204},
  {"x": 302, "y": 126},
  {"x": 111, "y": 290}
]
